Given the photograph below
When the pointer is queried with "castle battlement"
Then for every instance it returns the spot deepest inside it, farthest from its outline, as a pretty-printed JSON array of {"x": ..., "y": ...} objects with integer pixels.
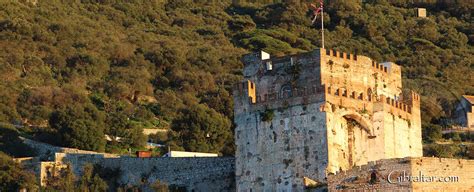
[
  {"x": 353, "y": 58},
  {"x": 395, "y": 106},
  {"x": 312, "y": 114}
]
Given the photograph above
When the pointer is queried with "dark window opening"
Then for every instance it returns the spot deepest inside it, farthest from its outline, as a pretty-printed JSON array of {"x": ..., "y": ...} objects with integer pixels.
[{"x": 373, "y": 178}]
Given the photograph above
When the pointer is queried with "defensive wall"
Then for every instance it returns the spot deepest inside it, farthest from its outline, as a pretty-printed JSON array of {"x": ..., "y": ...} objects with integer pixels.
[
  {"x": 192, "y": 174},
  {"x": 310, "y": 114},
  {"x": 406, "y": 174}
]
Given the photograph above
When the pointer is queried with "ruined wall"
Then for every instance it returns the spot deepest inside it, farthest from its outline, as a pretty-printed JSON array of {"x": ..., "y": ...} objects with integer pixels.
[{"x": 434, "y": 174}]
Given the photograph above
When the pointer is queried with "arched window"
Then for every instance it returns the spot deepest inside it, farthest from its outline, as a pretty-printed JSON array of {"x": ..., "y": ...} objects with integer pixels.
[
  {"x": 373, "y": 178},
  {"x": 285, "y": 92}
]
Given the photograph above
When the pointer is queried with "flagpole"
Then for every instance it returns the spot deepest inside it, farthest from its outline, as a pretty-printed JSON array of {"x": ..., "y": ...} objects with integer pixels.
[{"x": 322, "y": 25}]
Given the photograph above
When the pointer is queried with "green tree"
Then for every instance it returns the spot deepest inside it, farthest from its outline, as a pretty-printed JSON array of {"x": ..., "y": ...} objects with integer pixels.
[
  {"x": 179, "y": 53},
  {"x": 454, "y": 136},
  {"x": 120, "y": 126},
  {"x": 431, "y": 132},
  {"x": 66, "y": 180},
  {"x": 91, "y": 181},
  {"x": 117, "y": 122},
  {"x": 13, "y": 177},
  {"x": 80, "y": 126},
  {"x": 63, "y": 180},
  {"x": 441, "y": 150},
  {"x": 199, "y": 128}
]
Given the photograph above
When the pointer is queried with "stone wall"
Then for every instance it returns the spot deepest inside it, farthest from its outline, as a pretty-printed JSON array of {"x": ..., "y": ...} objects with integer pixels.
[
  {"x": 449, "y": 169},
  {"x": 375, "y": 175},
  {"x": 329, "y": 111},
  {"x": 194, "y": 174},
  {"x": 275, "y": 154}
]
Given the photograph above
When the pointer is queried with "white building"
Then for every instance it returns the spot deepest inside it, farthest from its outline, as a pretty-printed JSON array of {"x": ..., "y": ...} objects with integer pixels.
[{"x": 189, "y": 154}]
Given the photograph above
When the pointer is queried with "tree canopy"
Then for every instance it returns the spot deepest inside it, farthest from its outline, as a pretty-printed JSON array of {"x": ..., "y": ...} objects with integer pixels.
[
  {"x": 89, "y": 68},
  {"x": 13, "y": 177},
  {"x": 80, "y": 127},
  {"x": 199, "y": 128}
]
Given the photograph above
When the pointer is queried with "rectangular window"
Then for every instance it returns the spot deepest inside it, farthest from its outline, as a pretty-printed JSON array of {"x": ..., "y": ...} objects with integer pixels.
[{"x": 269, "y": 65}]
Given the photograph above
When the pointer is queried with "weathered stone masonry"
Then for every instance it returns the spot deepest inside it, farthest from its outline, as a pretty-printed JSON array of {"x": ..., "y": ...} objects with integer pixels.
[
  {"x": 329, "y": 111},
  {"x": 438, "y": 174},
  {"x": 193, "y": 174}
]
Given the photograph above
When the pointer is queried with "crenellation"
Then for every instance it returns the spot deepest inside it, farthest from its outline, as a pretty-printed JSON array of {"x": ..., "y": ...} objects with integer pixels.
[
  {"x": 333, "y": 54},
  {"x": 395, "y": 107}
]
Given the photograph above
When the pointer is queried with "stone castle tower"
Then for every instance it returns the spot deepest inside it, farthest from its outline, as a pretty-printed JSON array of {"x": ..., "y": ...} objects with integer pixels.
[{"x": 304, "y": 116}]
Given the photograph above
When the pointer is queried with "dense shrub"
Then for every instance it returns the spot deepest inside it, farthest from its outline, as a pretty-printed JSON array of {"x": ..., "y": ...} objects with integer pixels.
[
  {"x": 13, "y": 177},
  {"x": 169, "y": 56}
]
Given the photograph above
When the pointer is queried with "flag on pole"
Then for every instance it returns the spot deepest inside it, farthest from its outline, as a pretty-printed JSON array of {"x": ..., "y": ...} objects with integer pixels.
[{"x": 316, "y": 10}]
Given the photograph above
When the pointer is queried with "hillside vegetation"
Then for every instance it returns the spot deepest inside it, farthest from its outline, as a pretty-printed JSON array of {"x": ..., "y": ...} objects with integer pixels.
[{"x": 72, "y": 72}]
